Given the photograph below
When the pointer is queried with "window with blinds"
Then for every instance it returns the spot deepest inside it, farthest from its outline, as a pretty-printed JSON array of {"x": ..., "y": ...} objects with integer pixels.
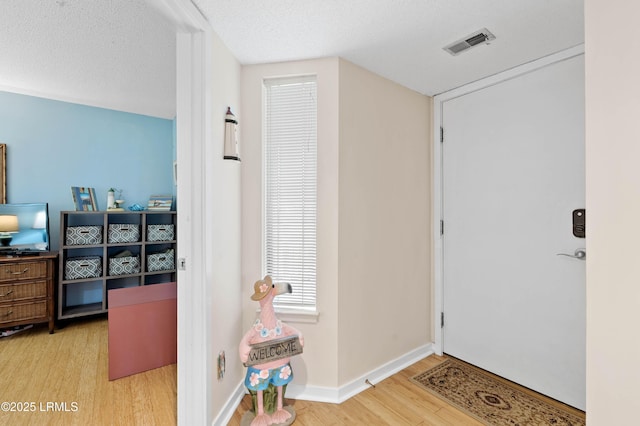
[{"x": 290, "y": 150}]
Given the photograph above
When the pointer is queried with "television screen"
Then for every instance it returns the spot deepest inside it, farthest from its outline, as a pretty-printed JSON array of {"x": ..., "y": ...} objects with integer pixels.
[{"x": 24, "y": 227}]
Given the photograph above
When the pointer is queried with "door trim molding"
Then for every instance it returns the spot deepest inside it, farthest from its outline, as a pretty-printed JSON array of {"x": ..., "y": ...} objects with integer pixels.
[
  {"x": 437, "y": 206},
  {"x": 193, "y": 109}
]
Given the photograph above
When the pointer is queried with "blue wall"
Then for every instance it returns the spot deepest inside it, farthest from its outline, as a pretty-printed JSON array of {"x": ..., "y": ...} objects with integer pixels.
[{"x": 53, "y": 145}]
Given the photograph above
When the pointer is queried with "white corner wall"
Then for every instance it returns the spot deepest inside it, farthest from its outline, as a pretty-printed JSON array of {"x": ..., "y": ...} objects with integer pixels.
[
  {"x": 384, "y": 265},
  {"x": 223, "y": 217},
  {"x": 613, "y": 209},
  {"x": 374, "y": 260},
  {"x": 317, "y": 366}
]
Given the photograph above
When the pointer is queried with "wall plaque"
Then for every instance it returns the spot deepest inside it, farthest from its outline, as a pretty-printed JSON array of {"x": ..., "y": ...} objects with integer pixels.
[{"x": 272, "y": 350}]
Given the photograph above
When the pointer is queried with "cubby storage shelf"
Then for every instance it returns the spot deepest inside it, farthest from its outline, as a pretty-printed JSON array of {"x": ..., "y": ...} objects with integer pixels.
[{"x": 87, "y": 294}]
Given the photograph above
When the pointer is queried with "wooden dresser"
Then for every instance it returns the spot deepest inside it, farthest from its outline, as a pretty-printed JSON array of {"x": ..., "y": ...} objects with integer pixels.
[{"x": 26, "y": 290}]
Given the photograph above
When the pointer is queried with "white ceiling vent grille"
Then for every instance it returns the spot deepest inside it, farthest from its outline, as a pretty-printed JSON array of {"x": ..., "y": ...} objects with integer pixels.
[{"x": 478, "y": 37}]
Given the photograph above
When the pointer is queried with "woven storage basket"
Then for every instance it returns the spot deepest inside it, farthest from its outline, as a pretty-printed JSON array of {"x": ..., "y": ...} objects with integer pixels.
[
  {"x": 83, "y": 235},
  {"x": 82, "y": 267},
  {"x": 163, "y": 261},
  {"x": 123, "y": 233},
  {"x": 160, "y": 232},
  {"x": 124, "y": 265}
]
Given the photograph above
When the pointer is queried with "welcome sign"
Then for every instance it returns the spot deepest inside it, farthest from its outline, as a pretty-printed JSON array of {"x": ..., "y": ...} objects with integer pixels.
[{"x": 273, "y": 350}]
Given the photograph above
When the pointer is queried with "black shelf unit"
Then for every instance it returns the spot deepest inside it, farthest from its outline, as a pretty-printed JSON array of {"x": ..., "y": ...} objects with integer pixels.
[{"x": 88, "y": 296}]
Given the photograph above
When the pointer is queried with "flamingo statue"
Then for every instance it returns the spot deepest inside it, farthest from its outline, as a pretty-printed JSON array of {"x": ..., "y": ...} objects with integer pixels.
[{"x": 276, "y": 373}]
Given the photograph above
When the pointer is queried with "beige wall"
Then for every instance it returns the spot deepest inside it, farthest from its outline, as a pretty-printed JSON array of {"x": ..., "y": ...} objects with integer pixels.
[
  {"x": 384, "y": 268},
  {"x": 373, "y": 266},
  {"x": 318, "y": 364},
  {"x": 223, "y": 231},
  {"x": 613, "y": 209}
]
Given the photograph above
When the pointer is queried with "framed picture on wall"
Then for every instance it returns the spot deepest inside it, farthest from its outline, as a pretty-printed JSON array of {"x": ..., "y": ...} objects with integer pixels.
[
  {"x": 84, "y": 198},
  {"x": 3, "y": 173}
]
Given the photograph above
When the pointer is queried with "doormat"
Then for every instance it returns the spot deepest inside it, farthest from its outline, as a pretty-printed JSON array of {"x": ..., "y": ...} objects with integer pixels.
[{"x": 493, "y": 400}]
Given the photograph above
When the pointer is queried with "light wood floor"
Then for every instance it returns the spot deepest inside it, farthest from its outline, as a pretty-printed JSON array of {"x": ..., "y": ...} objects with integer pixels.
[
  {"x": 394, "y": 401},
  {"x": 70, "y": 369}
]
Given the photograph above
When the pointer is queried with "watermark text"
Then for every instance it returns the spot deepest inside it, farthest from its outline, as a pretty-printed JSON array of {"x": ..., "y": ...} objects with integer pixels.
[{"x": 31, "y": 406}]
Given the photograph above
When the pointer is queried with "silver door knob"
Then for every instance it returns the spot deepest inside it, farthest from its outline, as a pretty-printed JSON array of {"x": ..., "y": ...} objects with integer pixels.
[{"x": 578, "y": 254}]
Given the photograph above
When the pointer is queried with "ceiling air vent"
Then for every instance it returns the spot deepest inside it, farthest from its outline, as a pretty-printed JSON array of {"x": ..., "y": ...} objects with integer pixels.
[{"x": 478, "y": 37}]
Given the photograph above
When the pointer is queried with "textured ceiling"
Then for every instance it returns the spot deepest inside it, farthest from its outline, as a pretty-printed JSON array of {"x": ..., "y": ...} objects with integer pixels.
[
  {"x": 119, "y": 54},
  {"x": 401, "y": 40},
  {"x": 116, "y": 54}
]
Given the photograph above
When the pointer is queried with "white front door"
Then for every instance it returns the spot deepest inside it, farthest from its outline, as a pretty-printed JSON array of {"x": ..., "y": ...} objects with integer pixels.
[{"x": 513, "y": 173}]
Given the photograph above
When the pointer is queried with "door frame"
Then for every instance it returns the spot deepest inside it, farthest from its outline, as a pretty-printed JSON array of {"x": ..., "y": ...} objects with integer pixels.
[
  {"x": 194, "y": 63},
  {"x": 437, "y": 169}
]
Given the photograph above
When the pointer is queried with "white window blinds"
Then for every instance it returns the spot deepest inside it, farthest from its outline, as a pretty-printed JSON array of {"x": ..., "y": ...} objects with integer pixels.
[{"x": 290, "y": 142}]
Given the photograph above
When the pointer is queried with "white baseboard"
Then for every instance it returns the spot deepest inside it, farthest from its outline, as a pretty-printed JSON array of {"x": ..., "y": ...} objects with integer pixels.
[
  {"x": 344, "y": 392},
  {"x": 230, "y": 407},
  {"x": 333, "y": 395}
]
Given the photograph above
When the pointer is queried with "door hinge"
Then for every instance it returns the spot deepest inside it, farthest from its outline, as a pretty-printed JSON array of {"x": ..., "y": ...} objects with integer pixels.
[
  {"x": 441, "y": 134},
  {"x": 442, "y": 227},
  {"x": 441, "y": 319}
]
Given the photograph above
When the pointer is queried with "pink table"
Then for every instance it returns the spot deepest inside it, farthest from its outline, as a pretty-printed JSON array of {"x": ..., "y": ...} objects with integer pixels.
[{"x": 142, "y": 328}]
